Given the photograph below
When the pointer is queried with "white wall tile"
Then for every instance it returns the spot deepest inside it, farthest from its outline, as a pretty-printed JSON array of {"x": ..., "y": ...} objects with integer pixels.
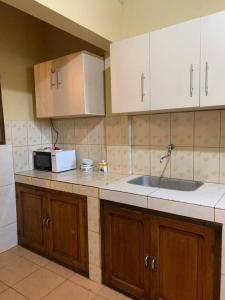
[
  {"x": 69, "y": 131},
  {"x": 141, "y": 160},
  {"x": 8, "y": 237},
  {"x": 206, "y": 164},
  {"x": 6, "y": 165},
  {"x": 182, "y": 163},
  {"x": 8, "y": 132},
  {"x": 160, "y": 129},
  {"x": 157, "y": 168},
  {"x": 46, "y": 132},
  {"x": 141, "y": 130},
  {"x": 207, "y": 129},
  {"x": 34, "y": 133},
  {"x": 20, "y": 159},
  {"x": 19, "y": 133},
  {"x": 7, "y": 205},
  {"x": 182, "y": 129}
]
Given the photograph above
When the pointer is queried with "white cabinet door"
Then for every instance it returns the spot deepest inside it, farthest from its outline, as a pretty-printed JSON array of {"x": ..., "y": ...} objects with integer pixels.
[
  {"x": 130, "y": 75},
  {"x": 213, "y": 60},
  {"x": 175, "y": 66}
]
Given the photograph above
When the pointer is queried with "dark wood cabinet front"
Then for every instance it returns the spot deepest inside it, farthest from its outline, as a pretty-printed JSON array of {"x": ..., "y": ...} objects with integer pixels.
[
  {"x": 124, "y": 250},
  {"x": 31, "y": 216},
  {"x": 67, "y": 225},
  {"x": 54, "y": 224},
  {"x": 155, "y": 257}
]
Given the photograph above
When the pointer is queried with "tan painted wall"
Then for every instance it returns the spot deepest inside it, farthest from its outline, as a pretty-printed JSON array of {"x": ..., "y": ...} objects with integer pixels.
[
  {"x": 25, "y": 41},
  {"x": 141, "y": 16},
  {"x": 100, "y": 16}
]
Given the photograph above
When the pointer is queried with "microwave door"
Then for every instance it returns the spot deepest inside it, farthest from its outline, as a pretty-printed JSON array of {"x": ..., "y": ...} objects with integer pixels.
[{"x": 42, "y": 161}]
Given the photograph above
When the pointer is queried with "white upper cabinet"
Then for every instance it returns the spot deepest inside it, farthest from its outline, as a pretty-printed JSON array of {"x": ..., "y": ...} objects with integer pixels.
[
  {"x": 130, "y": 75},
  {"x": 72, "y": 85},
  {"x": 175, "y": 66},
  {"x": 213, "y": 60}
]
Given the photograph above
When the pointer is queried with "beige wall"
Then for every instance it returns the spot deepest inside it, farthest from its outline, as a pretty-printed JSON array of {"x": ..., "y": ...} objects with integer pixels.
[
  {"x": 141, "y": 16},
  {"x": 20, "y": 47},
  {"x": 24, "y": 42},
  {"x": 100, "y": 16}
]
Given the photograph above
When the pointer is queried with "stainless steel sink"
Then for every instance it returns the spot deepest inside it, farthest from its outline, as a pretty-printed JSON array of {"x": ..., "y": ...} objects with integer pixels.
[{"x": 166, "y": 183}]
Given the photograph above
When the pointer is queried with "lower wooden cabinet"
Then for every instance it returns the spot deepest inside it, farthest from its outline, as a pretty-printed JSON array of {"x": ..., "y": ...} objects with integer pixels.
[
  {"x": 54, "y": 224},
  {"x": 159, "y": 257}
]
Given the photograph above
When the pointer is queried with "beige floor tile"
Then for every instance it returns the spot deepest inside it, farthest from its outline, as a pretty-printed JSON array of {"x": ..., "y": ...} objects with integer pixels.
[
  {"x": 99, "y": 297},
  {"x": 39, "y": 284},
  {"x": 69, "y": 291},
  {"x": 60, "y": 270},
  {"x": 86, "y": 283},
  {"x": 3, "y": 286},
  {"x": 19, "y": 251},
  {"x": 11, "y": 294},
  {"x": 37, "y": 259},
  {"x": 16, "y": 271},
  {"x": 107, "y": 292},
  {"x": 7, "y": 258}
]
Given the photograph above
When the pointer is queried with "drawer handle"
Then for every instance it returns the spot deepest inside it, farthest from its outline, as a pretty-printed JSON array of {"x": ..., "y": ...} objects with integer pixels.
[
  {"x": 48, "y": 222},
  {"x": 153, "y": 263},
  {"x": 44, "y": 221},
  {"x": 146, "y": 260}
]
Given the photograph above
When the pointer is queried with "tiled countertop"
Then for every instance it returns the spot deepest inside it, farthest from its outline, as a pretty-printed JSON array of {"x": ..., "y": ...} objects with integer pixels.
[{"x": 201, "y": 203}]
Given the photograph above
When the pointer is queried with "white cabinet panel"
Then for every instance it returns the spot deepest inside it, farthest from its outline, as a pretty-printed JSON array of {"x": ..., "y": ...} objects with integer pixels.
[
  {"x": 213, "y": 60},
  {"x": 175, "y": 66},
  {"x": 130, "y": 75}
]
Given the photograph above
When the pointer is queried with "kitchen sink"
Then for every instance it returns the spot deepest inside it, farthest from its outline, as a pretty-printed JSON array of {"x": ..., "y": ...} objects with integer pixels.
[{"x": 166, "y": 183}]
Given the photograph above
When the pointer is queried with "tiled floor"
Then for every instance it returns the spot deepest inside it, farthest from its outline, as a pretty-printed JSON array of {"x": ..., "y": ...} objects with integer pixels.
[{"x": 26, "y": 275}]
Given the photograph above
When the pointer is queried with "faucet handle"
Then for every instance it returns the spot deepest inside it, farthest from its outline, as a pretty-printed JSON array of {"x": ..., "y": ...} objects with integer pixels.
[{"x": 170, "y": 147}]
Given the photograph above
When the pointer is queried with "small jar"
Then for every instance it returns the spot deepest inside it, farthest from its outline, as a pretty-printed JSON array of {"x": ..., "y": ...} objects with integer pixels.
[{"x": 103, "y": 166}]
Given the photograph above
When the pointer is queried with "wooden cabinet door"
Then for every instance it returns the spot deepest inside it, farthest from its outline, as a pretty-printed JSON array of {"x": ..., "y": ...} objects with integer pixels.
[
  {"x": 45, "y": 85},
  {"x": 213, "y": 60},
  {"x": 130, "y": 74},
  {"x": 31, "y": 215},
  {"x": 67, "y": 223},
  {"x": 184, "y": 266},
  {"x": 124, "y": 250},
  {"x": 69, "y": 92},
  {"x": 175, "y": 66}
]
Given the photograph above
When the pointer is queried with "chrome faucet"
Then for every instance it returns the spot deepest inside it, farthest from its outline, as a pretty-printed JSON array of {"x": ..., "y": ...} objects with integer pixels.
[{"x": 170, "y": 147}]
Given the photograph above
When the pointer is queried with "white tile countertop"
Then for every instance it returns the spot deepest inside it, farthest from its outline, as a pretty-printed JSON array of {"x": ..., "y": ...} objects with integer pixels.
[{"x": 200, "y": 203}]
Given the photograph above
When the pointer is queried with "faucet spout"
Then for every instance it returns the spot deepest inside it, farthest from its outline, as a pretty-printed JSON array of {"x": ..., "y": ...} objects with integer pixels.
[{"x": 170, "y": 147}]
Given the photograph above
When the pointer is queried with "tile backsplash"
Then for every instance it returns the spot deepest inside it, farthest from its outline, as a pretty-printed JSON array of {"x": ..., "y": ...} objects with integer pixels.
[
  {"x": 133, "y": 144},
  {"x": 25, "y": 137}
]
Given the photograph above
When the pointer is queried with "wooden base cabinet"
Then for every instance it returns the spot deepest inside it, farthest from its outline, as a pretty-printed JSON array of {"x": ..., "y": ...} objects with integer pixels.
[
  {"x": 159, "y": 257},
  {"x": 53, "y": 224}
]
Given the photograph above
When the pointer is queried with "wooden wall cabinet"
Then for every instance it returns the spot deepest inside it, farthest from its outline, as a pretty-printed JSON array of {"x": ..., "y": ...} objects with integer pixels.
[
  {"x": 53, "y": 224},
  {"x": 72, "y": 85},
  {"x": 154, "y": 257}
]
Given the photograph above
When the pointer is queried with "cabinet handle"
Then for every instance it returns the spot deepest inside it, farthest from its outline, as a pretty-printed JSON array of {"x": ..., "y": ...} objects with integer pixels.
[
  {"x": 206, "y": 78},
  {"x": 59, "y": 78},
  {"x": 52, "y": 77},
  {"x": 153, "y": 263},
  {"x": 142, "y": 86},
  {"x": 146, "y": 260},
  {"x": 44, "y": 221},
  {"x": 48, "y": 222},
  {"x": 191, "y": 80}
]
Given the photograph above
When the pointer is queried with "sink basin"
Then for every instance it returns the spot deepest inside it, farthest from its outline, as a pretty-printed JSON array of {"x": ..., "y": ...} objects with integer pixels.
[{"x": 166, "y": 183}]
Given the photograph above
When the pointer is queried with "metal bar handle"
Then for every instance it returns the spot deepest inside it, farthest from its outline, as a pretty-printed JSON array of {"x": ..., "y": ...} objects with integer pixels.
[
  {"x": 206, "y": 78},
  {"x": 59, "y": 78},
  {"x": 142, "y": 86},
  {"x": 52, "y": 77},
  {"x": 191, "y": 80}
]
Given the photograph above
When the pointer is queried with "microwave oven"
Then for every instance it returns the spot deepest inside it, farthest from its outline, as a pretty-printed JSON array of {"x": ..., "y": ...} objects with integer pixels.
[{"x": 54, "y": 160}]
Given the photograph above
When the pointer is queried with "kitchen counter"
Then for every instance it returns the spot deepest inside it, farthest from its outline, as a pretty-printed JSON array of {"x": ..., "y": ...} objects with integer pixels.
[{"x": 200, "y": 203}]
